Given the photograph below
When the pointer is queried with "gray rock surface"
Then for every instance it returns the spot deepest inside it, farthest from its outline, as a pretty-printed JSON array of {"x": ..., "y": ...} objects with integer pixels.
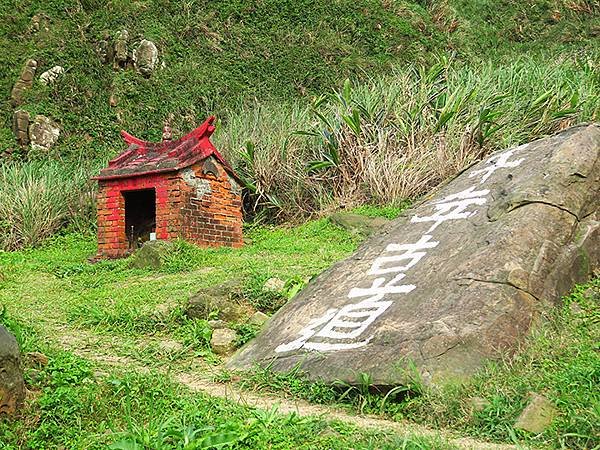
[
  {"x": 145, "y": 57},
  {"x": 223, "y": 341},
  {"x": 21, "y": 127},
  {"x": 355, "y": 223},
  {"x": 537, "y": 415},
  {"x": 12, "y": 386},
  {"x": 43, "y": 133},
  {"x": 50, "y": 76},
  {"x": 24, "y": 82},
  {"x": 219, "y": 302},
  {"x": 459, "y": 279}
]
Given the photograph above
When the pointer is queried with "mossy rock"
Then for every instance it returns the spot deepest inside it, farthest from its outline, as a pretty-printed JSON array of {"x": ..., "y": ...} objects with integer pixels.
[
  {"x": 357, "y": 224},
  {"x": 221, "y": 302},
  {"x": 151, "y": 255}
]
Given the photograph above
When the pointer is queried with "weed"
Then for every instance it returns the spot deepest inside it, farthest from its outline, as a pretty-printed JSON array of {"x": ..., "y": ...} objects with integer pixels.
[
  {"x": 245, "y": 332},
  {"x": 38, "y": 198}
]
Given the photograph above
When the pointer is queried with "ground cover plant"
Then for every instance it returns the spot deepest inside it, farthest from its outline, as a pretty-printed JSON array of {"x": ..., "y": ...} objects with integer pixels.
[
  {"x": 97, "y": 323},
  {"x": 381, "y": 142},
  {"x": 74, "y": 406},
  {"x": 112, "y": 318}
]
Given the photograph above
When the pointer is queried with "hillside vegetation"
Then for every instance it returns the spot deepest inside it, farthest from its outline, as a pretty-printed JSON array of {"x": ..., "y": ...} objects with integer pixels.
[{"x": 320, "y": 104}]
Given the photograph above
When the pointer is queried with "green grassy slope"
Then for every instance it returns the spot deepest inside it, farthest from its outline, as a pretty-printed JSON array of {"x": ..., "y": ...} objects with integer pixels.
[
  {"x": 215, "y": 55},
  {"x": 115, "y": 320},
  {"x": 219, "y": 54}
]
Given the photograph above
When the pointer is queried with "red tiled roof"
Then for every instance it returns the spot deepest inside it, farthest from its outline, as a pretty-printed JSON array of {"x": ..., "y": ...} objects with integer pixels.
[{"x": 144, "y": 158}]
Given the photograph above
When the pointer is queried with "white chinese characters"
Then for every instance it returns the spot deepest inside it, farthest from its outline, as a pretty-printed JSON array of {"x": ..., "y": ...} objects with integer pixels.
[{"x": 343, "y": 328}]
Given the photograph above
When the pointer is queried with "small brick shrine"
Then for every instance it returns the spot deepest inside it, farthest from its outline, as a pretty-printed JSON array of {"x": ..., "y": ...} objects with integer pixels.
[{"x": 168, "y": 190}]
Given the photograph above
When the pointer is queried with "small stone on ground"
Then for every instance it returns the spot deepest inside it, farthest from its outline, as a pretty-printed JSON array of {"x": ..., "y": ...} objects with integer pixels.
[{"x": 537, "y": 415}]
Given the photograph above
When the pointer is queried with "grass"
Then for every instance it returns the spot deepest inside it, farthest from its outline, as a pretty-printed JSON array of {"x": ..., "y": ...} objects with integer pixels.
[
  {"x": 39, "y": 198},
  {"x": 362, "y": 105},
  {"x": 384, "y": 142},
  {"x": 75, "y": 407},
  {"x": 111, "y": 297},
  {"x": 112, "y": 318},
  {"x": 318, "y": 105},
  {"x": 393, "y": 138},
  {"x": 220, "y": 55}
]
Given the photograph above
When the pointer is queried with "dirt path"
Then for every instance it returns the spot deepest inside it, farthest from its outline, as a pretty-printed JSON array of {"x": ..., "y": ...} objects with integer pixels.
[
  {"x": 303, "y": 408},
  {"x": 87, "y": 345}
]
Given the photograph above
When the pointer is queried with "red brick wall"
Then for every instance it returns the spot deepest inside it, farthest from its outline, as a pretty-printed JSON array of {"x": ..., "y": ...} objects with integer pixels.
[
  {"x": 200, "y": 208},
  {"x": 211, "y": 207}
]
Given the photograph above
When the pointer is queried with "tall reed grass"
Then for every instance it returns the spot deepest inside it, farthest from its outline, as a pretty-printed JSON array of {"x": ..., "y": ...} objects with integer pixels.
[
  {"x": 381, "y": 142},
  {"x": 396, "y": 137},
  {"x": 38, "y": 198}
]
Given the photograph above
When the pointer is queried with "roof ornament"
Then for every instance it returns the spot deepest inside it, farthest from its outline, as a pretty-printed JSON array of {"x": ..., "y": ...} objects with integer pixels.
[{"x": 167, "y": 132}]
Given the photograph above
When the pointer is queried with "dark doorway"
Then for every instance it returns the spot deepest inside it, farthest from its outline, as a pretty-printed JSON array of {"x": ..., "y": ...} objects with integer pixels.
[{"x": 140, "y": 216}]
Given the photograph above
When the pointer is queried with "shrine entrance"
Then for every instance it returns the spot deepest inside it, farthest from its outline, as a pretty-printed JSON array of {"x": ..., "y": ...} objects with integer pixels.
[{"x": 140, "y": 216}]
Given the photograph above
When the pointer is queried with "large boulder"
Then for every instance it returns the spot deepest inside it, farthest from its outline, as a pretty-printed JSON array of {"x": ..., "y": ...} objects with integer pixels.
[
  {"x": 458, "y": 279},
  {"x": 12, "y": 386}
]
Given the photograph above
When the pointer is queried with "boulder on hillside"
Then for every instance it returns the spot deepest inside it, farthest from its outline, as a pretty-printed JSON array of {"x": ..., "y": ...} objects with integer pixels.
[
  {"x": 145, "y": 57},
  {"x": 457, "y": 280},
  {"x": 24, "y": 82},
  {"x": 357, "y": 224},
  {"x": 12, "y": 385},
  {"x": 50, "y": 76},
  {"x": 43, "y": 133},
  {"x": 219, "y": 302},
  {"x": 121, "y": 50},
  {"x": 21, "y": 127}
]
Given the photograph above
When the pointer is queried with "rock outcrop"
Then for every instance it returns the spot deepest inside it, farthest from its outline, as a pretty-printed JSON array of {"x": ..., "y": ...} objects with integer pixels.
[
  {"x": 145, "y": 57},
  {"x": 459, "y": 279},
  {"x": 24, "y": 82},
  {"x": 21, "y": 127},
  {"x": 52, "y": 75},
  {"x": 43, "y": 133},
  {"x": 219, "y": 302},
  {"x": 12, "y": 386}
]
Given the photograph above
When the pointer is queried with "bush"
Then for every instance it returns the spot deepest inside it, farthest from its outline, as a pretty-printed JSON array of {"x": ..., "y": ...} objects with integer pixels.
[{"x": 38, "y": 198}]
